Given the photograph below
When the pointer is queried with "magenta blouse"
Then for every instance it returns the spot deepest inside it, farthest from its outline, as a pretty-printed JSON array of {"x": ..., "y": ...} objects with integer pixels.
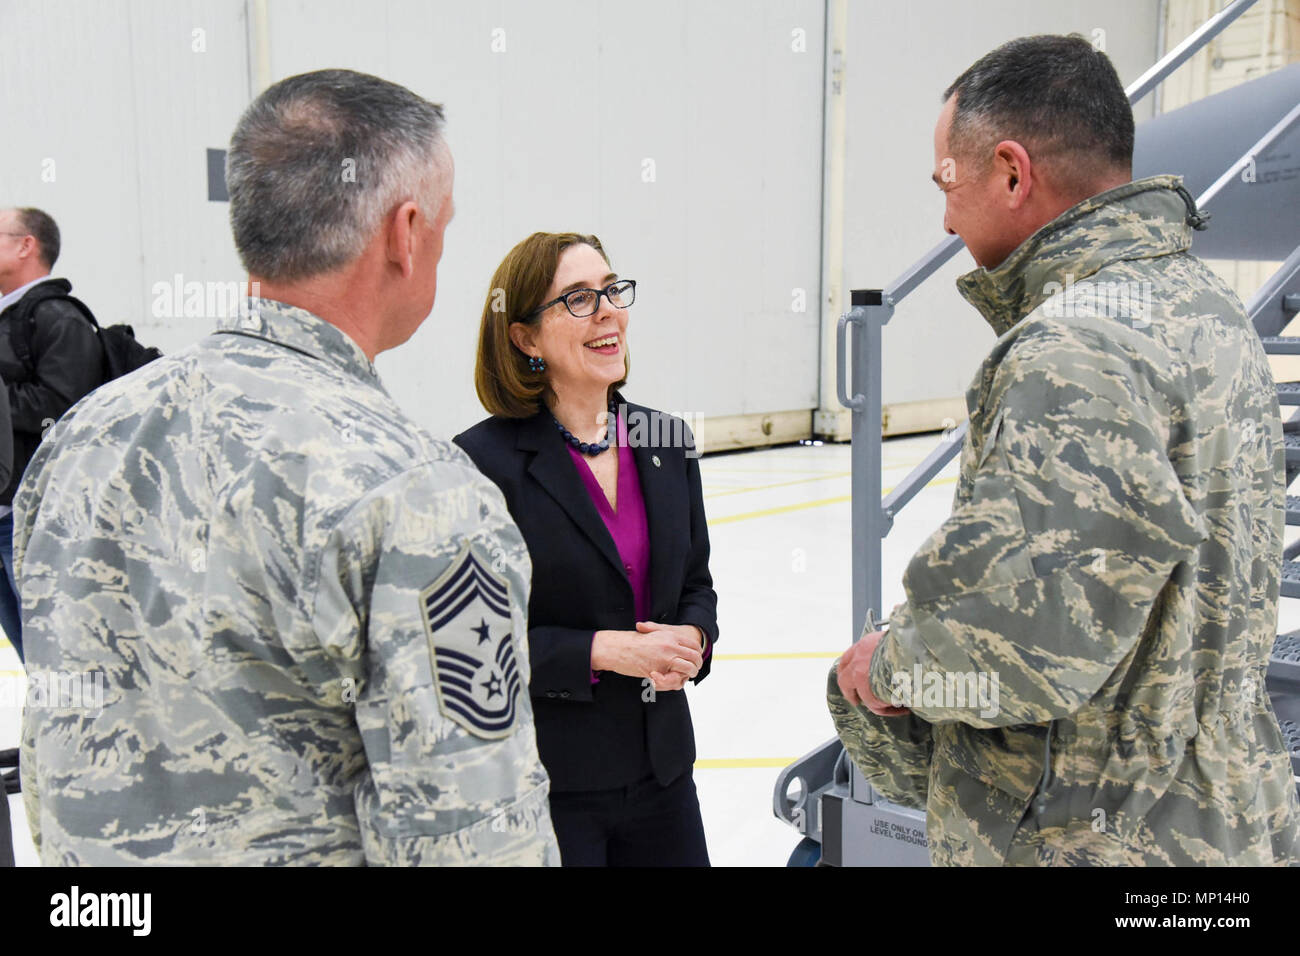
[{"x": 627, "y": 526}]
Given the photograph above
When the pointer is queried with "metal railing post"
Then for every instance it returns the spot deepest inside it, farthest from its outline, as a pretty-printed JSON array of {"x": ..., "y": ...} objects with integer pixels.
[{"x": 870, "y": 313}]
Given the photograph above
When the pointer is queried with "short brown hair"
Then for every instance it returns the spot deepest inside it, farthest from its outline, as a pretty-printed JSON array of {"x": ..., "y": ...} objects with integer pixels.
[{"x": 506, "y": 386}]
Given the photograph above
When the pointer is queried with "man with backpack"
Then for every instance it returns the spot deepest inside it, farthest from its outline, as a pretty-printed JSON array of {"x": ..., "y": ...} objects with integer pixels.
[{"x": 50, "y": 356}]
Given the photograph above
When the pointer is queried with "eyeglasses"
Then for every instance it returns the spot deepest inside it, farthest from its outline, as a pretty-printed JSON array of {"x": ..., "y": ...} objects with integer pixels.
[
  {"x": 16, "y": 235},
  {"x": 584, "y": 302}
]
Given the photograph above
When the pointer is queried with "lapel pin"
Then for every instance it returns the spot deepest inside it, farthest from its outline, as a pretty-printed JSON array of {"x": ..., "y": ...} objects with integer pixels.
[{"x": 654, "y": 460}]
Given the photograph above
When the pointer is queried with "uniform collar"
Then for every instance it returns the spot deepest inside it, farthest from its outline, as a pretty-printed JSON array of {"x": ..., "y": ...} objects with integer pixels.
[
  {"x": 302, "y": 331},
  {"x": 1138, "y": 220}
]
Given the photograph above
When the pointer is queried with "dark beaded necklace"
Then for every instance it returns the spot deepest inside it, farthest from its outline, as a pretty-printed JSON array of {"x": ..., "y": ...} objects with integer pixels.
[{"x": 590, "y": 448}]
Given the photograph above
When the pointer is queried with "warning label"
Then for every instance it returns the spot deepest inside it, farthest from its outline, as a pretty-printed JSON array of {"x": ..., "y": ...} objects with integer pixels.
[{"x": 898, "y": 831}]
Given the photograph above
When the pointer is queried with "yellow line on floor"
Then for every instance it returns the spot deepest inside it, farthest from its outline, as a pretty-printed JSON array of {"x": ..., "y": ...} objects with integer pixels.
[
  {"x": 796, "y": 655},
  {"x": 743, "y": 763},
  {"x": 785, "y": 509},
  {"x": 886, "y": 466},
  {"x": 779, "y": 484},
  {"x": 708, "y": 472}
]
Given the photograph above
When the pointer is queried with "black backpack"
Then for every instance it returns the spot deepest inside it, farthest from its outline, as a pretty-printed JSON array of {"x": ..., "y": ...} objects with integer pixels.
[{"x": 123, "y": 352}]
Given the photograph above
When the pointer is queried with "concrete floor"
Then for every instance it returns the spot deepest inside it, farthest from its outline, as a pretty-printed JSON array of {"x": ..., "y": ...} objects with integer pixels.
[{"x": 779, "y": 526}]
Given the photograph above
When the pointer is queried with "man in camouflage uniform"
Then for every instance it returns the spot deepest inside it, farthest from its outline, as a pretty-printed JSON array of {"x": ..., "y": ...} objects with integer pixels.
[
  {"x": 1112, "y": 559},
  {"x": 308, "y": 614}
]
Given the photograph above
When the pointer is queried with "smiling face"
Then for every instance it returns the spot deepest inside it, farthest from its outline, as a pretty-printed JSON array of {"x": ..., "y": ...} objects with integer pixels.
[
  {"x": 580, "y": 353},
  {"x": 975, "y": 200}
]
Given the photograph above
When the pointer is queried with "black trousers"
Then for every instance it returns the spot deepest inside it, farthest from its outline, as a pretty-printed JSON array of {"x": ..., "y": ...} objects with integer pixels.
[
  {"x": 6, "y": 831},
  {"x": 642, "y": 824}
]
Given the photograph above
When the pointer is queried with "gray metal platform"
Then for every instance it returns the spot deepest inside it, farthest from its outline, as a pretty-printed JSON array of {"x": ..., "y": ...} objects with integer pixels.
[
  {"x": 1284, "y": 663},
  {"x": 1293, "y": 509},
  {"x": 1291, "y": 579}
]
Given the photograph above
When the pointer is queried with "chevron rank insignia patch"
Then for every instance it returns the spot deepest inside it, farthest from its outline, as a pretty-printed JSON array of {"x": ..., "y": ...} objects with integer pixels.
[{"x": 467, "y": 618}]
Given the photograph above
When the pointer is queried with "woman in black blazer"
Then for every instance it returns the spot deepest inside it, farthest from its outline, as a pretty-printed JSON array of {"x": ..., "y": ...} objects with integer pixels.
[{"x": 622, "y": 609}]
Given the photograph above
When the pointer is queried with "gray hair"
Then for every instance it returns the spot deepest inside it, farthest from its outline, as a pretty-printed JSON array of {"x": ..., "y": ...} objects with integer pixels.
[{"x": 319, "y": 159}]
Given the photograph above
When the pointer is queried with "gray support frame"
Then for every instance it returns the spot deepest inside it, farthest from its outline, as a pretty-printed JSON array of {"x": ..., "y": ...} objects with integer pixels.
[{"x": 866, "y": 321}]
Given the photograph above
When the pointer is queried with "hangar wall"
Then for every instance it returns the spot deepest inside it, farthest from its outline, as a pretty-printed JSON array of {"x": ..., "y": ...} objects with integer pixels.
[
  {"x": 686, "y": 135},
  {"x": 701, "y": 167}
]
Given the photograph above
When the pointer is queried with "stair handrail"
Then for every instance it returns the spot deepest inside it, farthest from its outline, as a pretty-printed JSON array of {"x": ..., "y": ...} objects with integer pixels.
[{"x": 1249, "y": 156}]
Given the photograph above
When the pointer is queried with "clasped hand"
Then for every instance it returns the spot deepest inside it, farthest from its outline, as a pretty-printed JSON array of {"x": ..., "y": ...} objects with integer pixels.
[{"x": 667, "y": 654}]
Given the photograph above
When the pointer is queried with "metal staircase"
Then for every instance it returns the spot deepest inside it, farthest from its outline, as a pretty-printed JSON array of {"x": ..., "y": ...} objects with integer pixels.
[
  {"x": 822, "y": 795},
  {"x": 1271, "y": 309}
]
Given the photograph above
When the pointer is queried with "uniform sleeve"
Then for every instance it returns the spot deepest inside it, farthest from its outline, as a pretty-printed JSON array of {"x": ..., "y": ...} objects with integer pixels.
[
  {"x": 699, "y": 602},
  {"x": 27, "y": 775},
  {"x": 1035, "y": 590},
  {"x": 69, "y": 363},
  {"x": 421, "y": 604},
  {"x": 26, "y": 502},
  {"x": 892, "y": 753}
]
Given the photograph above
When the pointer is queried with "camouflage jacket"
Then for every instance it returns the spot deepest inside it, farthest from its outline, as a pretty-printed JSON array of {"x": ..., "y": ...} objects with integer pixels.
[
  {"x": 1084, "y": 640},
  {"x": 282, "y": 586}
]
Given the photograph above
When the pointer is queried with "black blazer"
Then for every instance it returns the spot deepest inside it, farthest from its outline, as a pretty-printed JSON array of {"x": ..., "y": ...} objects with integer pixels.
[{"x": 601, "y": 736}]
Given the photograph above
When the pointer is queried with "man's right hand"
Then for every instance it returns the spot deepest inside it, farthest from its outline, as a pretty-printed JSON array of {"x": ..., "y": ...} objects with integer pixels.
[{"x": 853, "y": 673}]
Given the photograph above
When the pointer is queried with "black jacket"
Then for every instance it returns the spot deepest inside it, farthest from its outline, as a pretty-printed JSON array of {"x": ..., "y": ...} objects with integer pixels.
[
  {"x": 67, "y": 363},
  {"x": 6, "y": 439},
  {"x": 596, "y": 737}
]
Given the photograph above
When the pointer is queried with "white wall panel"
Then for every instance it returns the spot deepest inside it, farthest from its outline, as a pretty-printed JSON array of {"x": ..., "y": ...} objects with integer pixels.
[
  {"x": 552, "y": 134},
  {"x": 118, "y": 97}
]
